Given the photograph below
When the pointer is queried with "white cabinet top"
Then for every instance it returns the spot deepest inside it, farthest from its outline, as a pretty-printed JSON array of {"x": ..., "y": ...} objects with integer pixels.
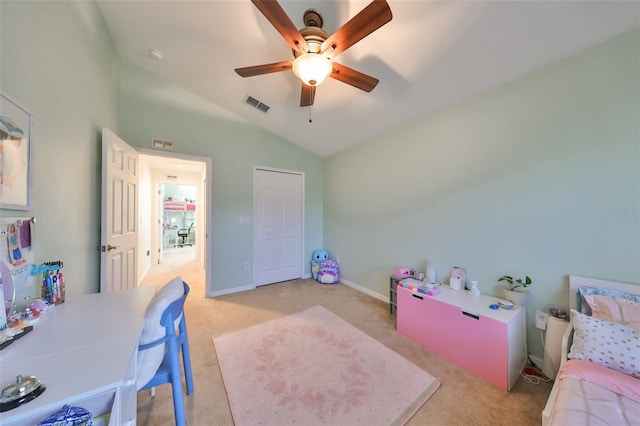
[{"x": 469, "y": 303}]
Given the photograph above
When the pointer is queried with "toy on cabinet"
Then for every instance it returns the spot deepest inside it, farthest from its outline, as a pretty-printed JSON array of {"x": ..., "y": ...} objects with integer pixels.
[
  {"x": 328, "y": 272},
  {"x": 317, "y": 257}
]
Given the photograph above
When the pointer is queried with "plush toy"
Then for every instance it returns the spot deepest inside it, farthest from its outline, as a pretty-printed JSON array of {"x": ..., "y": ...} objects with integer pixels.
[
  {"x": 317, "y": 257},
  {"x": 328, "y": 272}
]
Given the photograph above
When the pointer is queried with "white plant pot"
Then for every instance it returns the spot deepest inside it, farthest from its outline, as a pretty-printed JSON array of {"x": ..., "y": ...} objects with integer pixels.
[{"x": 518, "y": 297}]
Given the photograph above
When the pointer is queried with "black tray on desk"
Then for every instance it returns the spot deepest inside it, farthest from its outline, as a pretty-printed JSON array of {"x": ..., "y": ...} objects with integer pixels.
[{"x": 25, "y": 331}]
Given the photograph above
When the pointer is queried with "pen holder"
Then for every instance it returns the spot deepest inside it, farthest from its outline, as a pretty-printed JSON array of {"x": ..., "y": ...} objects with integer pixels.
[{"x": 53, "y": 284}]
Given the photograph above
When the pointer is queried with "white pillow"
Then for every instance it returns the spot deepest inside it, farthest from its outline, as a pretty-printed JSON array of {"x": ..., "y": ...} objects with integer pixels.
[
  {"x": 150, "y": 359},
  {"x": 605, "y": 343}
]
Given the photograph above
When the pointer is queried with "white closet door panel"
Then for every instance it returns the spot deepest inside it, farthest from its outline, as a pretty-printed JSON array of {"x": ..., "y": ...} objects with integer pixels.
[
  {"x": 268, "y": 265},
  {"x": 278, "y": 230},
  {"x": 270, "y": 216}
]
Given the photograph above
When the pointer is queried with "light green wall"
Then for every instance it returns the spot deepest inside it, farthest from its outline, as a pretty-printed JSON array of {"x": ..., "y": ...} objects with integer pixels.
[
  {"x": 540, "y": 177},
  {"x": 58, "y": 61},
  {"x": 152, "y": 108}
]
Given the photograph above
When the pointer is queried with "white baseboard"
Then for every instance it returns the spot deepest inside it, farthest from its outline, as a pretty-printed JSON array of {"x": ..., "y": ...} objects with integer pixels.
[
  {"x": 231, "y": 290},
  {"x": 384, "y": 298},
  {"x": 537, "y": 361},
  {"x": 240, "y": 289},
  {"x": 143, "y": 276}
]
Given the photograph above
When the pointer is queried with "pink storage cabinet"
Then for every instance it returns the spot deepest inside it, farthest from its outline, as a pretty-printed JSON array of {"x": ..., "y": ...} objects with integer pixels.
[{"x": 462, "y": 328}]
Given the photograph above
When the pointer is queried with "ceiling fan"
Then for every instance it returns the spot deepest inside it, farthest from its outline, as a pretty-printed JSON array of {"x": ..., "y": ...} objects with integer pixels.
[{"x": 314, "y": 50}]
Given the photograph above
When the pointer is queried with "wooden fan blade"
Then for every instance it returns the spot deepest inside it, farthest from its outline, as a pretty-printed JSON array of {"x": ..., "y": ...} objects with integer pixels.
[
  {"x": 275, "y": 14},
  {"x": 307, "y": 96},
  {"x": 353, "y": 77},
  {"x": 372, "y": 17},
  {"x": 264, "y": 69}
]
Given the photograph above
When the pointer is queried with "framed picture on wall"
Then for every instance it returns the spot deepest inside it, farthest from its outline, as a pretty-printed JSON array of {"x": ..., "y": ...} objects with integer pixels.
[{"x": 15, "y": 155}]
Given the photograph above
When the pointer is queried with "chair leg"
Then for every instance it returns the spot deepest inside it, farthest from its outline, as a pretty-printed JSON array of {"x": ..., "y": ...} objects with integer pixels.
[
  {"x": 176, "y": 383},
  {"x": 186, "y": 361}
]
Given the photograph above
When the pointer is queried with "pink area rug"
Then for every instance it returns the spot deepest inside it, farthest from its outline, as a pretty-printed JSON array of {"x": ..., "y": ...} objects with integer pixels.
[{"x": 314, "y": 368}]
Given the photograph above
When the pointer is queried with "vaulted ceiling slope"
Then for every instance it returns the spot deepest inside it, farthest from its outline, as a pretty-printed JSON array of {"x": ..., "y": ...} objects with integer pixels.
[{"x": 431, "y": 55}]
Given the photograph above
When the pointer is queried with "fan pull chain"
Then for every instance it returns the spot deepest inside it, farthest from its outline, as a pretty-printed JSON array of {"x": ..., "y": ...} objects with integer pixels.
[{"x": 310, "y": 105}]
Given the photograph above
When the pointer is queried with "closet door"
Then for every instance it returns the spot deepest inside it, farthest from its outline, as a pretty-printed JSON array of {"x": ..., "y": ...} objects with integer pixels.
[{"x": 277, "y": 226}]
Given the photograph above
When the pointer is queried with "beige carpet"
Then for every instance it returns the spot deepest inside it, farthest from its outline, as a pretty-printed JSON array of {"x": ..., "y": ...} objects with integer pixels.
[
  {"x": 314, "y": 368},
  {"x": 462, "y": 399}
]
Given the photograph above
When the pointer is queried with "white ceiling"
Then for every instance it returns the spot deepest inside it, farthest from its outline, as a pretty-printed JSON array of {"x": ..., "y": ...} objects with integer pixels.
[
  {"x": 432, "y": 54},
  {"x": 165, "y": 162}
]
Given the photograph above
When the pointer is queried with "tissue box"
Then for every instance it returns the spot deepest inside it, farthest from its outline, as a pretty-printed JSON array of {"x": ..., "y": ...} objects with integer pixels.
[{"x": 433, "y": 291}]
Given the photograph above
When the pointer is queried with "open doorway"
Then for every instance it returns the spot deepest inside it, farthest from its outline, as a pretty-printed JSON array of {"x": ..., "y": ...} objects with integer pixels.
[
  {"x": 179, "y": 223},
  {"x": 175, "y": 213}
]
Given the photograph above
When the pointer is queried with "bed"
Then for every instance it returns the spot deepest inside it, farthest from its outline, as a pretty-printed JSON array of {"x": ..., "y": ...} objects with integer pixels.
[
  {"x": 179, "y": 205},
  {"x": 599, "y": 378}
]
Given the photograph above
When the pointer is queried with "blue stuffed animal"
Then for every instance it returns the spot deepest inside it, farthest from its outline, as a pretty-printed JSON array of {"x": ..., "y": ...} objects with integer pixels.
[{"x": 317, "y": 257}]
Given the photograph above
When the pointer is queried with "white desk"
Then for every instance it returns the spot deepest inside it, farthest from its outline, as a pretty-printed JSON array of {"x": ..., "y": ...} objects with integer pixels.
[
  {"x": 170, "y": 235},
  {"x": 84, "y": 352}
]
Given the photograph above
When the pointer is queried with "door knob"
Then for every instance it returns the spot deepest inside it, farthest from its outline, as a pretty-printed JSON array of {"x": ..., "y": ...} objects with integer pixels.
[{"x": 108, "y": 247}]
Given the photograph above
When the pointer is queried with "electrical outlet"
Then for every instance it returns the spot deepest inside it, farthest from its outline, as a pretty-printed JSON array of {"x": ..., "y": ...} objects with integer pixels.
[
  {"x": 541, "y": 320},
  {"x": 247, "y": 266}
]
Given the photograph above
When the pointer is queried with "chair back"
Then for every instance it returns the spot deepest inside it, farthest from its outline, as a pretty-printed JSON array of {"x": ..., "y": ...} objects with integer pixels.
[
  {"x": 171, "y": 319},
  {"x": 173, "y": 316},
  {"x": 168, "y": 370}
]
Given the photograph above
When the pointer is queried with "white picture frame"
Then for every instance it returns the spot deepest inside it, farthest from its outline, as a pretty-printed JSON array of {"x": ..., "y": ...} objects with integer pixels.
[{"x": 15, "y": 155}]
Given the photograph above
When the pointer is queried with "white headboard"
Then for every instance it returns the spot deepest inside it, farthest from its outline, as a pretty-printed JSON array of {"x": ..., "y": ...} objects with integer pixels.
[{"x": 576, "y": 282}]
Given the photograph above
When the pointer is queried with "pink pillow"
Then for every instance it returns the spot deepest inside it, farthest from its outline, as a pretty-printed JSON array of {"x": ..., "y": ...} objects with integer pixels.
[{"x": 614, "y": 309}]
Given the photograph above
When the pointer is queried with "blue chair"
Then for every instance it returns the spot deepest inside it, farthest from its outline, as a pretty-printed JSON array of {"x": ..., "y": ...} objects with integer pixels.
[{"x": 169, "y": 370}]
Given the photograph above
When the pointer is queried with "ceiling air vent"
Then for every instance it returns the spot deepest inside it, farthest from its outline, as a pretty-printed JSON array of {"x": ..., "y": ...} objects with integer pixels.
[
  {"x": 160, "y": 144},
  {"x": 257, "y": 104}
]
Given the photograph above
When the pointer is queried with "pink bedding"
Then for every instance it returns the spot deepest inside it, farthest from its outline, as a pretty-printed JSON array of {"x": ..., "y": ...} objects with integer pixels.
[
  {"x": 590, "y": 394},
  {"x": 179, "y": 206}
]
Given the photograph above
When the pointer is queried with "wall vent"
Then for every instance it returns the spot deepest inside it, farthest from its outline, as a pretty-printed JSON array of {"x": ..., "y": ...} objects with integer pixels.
[
  {"x": 160, "y": 144},
  {"x": 257, "y": 104}
]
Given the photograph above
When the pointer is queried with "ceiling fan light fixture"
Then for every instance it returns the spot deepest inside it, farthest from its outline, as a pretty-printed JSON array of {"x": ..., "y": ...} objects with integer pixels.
[{"x": 312, "y": 68}]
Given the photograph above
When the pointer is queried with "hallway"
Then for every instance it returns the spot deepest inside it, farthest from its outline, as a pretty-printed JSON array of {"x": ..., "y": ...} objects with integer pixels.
[{"x": 178, "y": 262}]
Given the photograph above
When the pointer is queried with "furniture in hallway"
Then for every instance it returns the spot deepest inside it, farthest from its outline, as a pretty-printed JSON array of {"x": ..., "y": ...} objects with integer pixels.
[
  {"x": 184, "y": 235},
  {"x": 84, "y": 352},
  {"x": 464, "y": 329},
  {"x": 170, "y": 236}
]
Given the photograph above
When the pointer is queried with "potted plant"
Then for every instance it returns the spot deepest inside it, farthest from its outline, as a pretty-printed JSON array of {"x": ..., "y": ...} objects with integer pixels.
[{"x": 516, "y": 290}]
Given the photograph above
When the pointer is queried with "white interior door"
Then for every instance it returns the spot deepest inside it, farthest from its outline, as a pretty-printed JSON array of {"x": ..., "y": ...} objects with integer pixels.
[
  {"x": 119, "y": 232},
  {"x": 161, "y": 237},
  {"x": 278, "y": 229}
]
